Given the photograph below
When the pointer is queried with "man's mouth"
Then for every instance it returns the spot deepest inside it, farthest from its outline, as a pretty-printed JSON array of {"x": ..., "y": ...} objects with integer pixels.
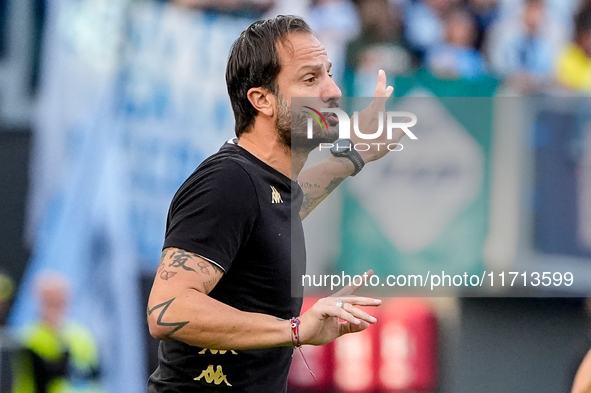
[{"x": 332, "y": 119}]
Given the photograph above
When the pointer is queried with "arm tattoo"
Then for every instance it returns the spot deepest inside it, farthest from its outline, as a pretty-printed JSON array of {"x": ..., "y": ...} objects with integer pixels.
[
  {"x": 333, "y": 184},
  {"x": 180, "y": 258},
  {"x": 310, "y": 201},
  {"x": 177, "y": 325},
  {"x": 216, "y": 269},
  {"x": 203, "y": 267},
  {"x": 307, "y": 184},
  {"x": 161, "y": 266},
  {"x": 209, "y": 285},
  {"x": 165, "y": 275}
]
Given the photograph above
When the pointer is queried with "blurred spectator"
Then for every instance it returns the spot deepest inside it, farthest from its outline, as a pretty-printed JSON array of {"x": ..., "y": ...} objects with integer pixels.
[
  {"x": 59, "y": 356},
  {"x": 378, "y": 45},
  {"x": 8, "y": 345},
  {"x": 424, "y": 23},
  {"x": 486, "y": 13},
  {"x": 562, "y": 11},
  {"x": 457, "y": 57},
  {"x": 335, "y": 22},
  {"x": 6, "y": 292},
  {"x": 574, "y": 65},
  {"x": 524, "y": 48},
  {"x": 251, "y": 8}
]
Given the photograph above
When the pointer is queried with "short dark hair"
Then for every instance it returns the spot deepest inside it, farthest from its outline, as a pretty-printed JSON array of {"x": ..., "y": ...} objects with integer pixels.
[{"x": 254, "y": 62}]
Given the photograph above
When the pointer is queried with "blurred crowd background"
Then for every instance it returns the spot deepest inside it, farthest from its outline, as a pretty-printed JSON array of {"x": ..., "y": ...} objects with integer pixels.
[{"x": 106, "y": 106}]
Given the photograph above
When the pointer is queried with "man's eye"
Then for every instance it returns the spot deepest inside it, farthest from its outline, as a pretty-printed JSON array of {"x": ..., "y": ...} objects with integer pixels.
[
  {"x": 311, "y": 79},
  {"x": 330, "y": 75}
]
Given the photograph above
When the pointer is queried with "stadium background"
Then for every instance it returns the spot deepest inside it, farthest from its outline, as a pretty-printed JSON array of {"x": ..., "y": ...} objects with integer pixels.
[{"x": 107, "y": 105}]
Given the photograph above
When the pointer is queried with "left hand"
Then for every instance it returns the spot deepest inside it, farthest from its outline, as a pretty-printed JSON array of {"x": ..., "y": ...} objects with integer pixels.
[
  {"x": 368, "y": 122},
  {"x": 321, "y": 323}
]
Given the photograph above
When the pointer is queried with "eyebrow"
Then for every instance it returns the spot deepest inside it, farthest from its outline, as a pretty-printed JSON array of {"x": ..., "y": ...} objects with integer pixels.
[{"x": 315, "y": 67}]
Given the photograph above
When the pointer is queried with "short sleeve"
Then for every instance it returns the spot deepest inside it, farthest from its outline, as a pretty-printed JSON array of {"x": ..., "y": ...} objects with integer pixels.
[{"x": 213, "y": 213}]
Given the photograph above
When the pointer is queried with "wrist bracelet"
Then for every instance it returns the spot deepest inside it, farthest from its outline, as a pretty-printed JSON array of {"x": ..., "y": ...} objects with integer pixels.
[
  {"x": 295, "y": 340},
  {"x": 295, "y": 330}
]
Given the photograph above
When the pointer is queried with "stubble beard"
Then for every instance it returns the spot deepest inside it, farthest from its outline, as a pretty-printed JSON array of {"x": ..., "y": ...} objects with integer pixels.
[{"x": 292, "y": 129}]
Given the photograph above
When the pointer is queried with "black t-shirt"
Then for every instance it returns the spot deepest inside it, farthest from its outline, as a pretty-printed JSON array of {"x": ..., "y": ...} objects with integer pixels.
[{"x": 236, "y": 211}]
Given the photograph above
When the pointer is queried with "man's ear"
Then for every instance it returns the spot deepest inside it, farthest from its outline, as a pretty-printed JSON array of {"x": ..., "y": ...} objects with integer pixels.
[{"x": 262, "y": 100}]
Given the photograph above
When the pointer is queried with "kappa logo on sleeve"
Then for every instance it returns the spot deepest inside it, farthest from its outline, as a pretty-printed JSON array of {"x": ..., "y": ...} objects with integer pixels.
[
  {"x": 211, "y": 376},
  {"x": 275, "y": 196}
]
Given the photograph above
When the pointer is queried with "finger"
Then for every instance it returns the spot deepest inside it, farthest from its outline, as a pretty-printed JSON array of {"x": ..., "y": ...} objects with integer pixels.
[
  {"x": 340, "y": 313},
  {"x": 346, "y": 327},
  {"x": 357, "y": 300},
  {"x": 381, "y": 89},
  {"x": 381, "y": 84},
  {"x": 352, "y": 288},
  {"x": 382, "y": 92},
  {"x": 389, "y": 91},
  {"x": 359, "y": 314}
]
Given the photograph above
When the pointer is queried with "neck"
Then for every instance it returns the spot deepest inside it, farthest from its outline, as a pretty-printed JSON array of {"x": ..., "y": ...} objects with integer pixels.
[
  {"x": 269, "y": 149},
  {"x": 298, "y": 159}
]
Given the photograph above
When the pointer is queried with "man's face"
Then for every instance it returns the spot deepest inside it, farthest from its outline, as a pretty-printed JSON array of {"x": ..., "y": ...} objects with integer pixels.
[
  {"x": 305, "y": 72},
  {"x": 53, "y": 303}
]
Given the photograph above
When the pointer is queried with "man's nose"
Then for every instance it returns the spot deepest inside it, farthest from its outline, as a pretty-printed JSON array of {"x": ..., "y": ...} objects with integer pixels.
[{"x": 331, "y": 91}]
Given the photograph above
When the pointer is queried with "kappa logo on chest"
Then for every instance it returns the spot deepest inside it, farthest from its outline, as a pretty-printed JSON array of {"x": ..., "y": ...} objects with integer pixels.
[{"x": 275, "y": 196}]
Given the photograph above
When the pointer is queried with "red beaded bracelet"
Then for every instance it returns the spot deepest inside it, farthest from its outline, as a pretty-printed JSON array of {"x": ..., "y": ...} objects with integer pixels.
[
  {"x": 295, "y": 340},
  {"x": 295, "y": 329}
]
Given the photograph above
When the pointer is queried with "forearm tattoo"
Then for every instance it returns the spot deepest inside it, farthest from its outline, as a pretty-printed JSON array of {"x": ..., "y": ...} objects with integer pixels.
[
  {"x": 175, "y": 325},
  {"x": 333, "y": 184},
  {"x": 312, "y": 196},
  {"x": 310, "y": 201}
]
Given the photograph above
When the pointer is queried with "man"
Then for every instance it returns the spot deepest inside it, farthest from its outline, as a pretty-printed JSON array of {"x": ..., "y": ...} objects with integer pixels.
[
  {"x": 59, "y": 355},
  {"x": 221, "y": 300},
  {"x": 573, "y": 69}
]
